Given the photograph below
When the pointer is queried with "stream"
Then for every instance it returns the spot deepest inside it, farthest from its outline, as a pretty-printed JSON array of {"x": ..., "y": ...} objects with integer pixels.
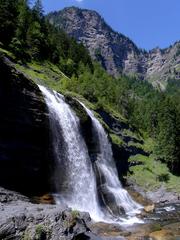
[{"x": 162, "y": 224}]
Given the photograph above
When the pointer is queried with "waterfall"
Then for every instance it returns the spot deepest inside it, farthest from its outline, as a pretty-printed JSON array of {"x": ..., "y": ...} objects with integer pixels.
[
  {"x": 106, "y": 167},
  {"x": 74, "y": 177},
  {"x": 80, "y": 183}
]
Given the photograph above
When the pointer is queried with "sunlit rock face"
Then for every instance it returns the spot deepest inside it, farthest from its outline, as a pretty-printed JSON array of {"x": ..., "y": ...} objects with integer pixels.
[
  {"x": 116, "y": 52},
  {"x": 112, "y": 49}
]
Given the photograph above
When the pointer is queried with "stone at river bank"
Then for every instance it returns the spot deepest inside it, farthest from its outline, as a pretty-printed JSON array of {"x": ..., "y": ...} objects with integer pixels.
[
  {"x": 22, "y": 220},
  {"x": 148, "y": 231},
  {"x": 159, "y": 195}
]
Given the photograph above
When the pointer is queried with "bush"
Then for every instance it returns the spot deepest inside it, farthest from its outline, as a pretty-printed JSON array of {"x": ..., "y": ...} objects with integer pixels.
[
  {"x": 164, "y": 177},
  {"x": 40, "y": 233}
]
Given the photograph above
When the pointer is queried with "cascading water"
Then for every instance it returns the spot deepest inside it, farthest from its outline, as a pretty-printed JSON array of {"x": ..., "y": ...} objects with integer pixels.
[
  {"x": 107, "y": 168},
  {"x": 74, "y": 176}
]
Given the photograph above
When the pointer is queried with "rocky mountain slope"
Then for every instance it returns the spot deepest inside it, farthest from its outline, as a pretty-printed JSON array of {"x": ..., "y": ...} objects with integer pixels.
[{"x": 116, "y": 52}]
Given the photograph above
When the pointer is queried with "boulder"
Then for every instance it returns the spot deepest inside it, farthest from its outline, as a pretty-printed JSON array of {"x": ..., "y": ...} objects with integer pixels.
[
  {"x": 162, "y": 235},
  {"x": 149, "y": 208}
]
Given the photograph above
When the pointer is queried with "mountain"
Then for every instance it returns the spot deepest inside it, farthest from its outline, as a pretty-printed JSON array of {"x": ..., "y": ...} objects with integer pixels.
[{"x": 116, "y": 52}]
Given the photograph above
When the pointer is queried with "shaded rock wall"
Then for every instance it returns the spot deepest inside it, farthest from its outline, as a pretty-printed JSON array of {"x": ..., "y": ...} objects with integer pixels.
[{"x": 24, "y": 134}]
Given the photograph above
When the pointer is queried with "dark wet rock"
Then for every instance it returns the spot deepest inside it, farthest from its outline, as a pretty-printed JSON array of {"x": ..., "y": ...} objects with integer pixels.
[
  {"x": 92, "y": 236},
  {"x": 87, "y": 236},
  {"x": 85, "y": 123},
  {"x": 9, "y": 196},
  {"x": 78, "y": 108},
  {"x": 24, "y": 135},
  {"x": 108, "y": 201}
]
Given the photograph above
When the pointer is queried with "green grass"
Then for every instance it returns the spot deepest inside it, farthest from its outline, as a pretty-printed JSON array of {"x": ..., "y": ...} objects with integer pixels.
[
  {"x": 177, "y": 67},
  {"x": 116, "y": 140},
  {"x": 43, "y": 73},
  {"x": 151, "y": 174},
  {"x": 75, "y": 214},
  {"x": 78, "y": 97},
  {"x": 114, "y": 113},
  {"x": 135, "y": 144},
  {"x": 7, "y": 53},
  {"x": 40, "y": 232},
  {"x": 128, "y": 132},
  {"x": 148, "y": 145},
  {"x": 173, "y": 183}
]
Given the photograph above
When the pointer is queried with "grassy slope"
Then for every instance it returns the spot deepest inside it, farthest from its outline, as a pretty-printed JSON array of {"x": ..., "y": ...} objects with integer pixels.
[{"x": 149, "y": 174}]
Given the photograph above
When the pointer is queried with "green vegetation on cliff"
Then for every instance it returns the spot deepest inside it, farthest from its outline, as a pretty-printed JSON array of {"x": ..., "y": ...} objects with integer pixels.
[
  {"x": 151, "y": 174},
  {"x": 156, "y": 115}
]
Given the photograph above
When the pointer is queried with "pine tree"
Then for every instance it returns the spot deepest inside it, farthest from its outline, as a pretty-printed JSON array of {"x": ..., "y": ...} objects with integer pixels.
[
  {"x": 38, "y": 9},
  {"x": 8, "y": 20},
  {"x": 167, "y": 134},
  {"x": 35, "y": 39},
  {"x": 23, "y": 20}
]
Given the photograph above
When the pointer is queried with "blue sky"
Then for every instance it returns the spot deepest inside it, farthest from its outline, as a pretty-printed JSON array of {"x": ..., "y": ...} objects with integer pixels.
[{"x": 149, "y": 23}]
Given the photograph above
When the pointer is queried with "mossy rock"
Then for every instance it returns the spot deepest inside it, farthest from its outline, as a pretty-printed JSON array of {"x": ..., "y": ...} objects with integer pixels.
[{"x": 78, "y": 108}]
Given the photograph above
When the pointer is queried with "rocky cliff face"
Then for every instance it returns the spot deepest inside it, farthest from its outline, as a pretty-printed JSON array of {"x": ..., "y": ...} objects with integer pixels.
[
  {"x": 23, "y": 132},
  {"x": 117, "y": 53},
  {"x": 163, "y": 65}
]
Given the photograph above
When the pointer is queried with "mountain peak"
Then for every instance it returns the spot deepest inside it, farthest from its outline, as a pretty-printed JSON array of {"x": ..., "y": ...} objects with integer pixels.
[
  {"x": 116, "y": 52},
  {"x": 103, "y": 43}
]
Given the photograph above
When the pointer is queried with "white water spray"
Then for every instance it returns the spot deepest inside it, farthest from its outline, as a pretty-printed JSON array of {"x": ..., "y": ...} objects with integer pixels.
[
  {"x": 107, "y": 166},
  {"x": 74, "y": 177}
]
